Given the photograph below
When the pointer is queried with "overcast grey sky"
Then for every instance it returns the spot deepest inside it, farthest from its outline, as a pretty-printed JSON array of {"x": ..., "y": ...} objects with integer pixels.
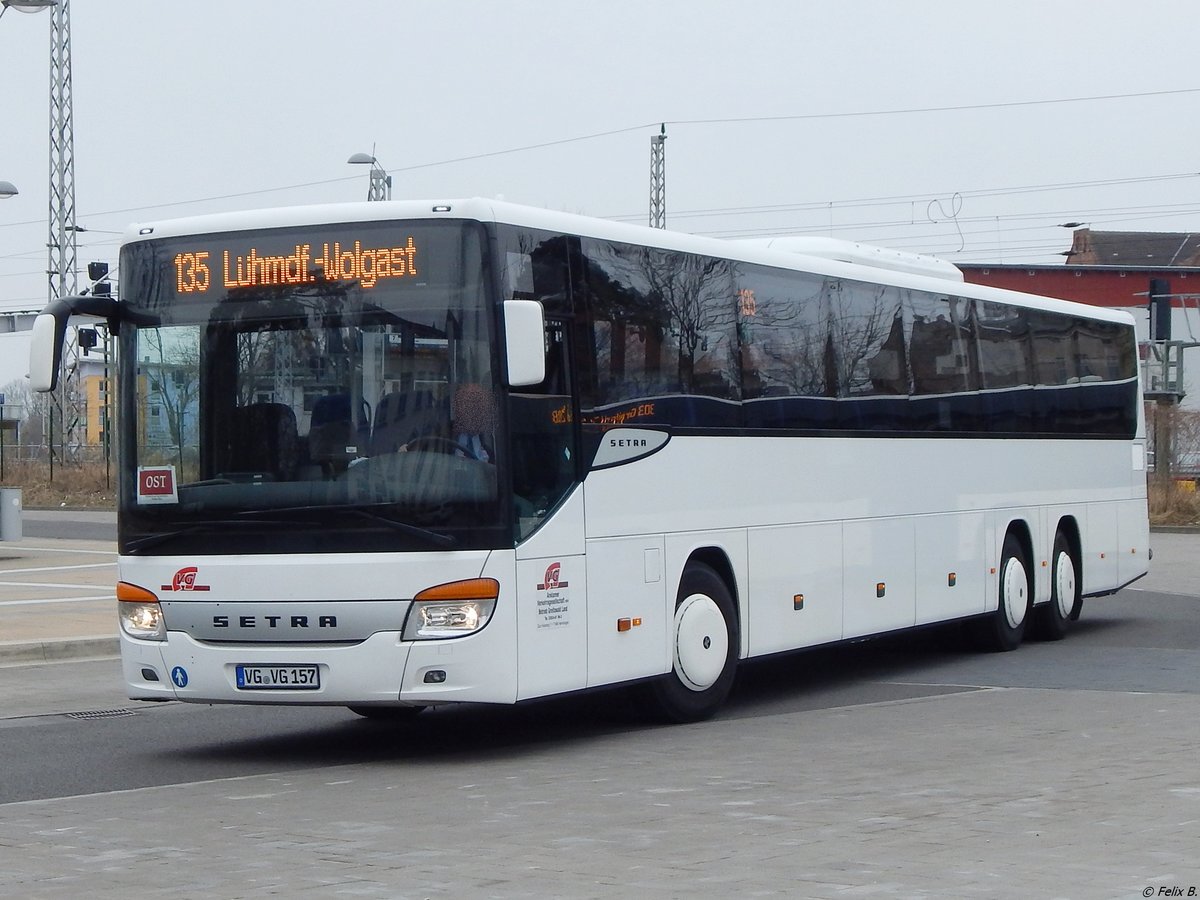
[{"x": 194, "y": 106}]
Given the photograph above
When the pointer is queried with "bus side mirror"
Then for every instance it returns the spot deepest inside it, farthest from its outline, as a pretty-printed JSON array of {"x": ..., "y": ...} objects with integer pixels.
[
  {"x": 50, "y": 330},
  {"x": 525, "y": 342},
  {"x": 45, "y": 351}
]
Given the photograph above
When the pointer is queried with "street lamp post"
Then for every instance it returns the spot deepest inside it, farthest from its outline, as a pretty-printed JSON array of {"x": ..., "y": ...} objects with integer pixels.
[
  {"x": 381, "y": 182},
  {"x": 26, "y": 6}
]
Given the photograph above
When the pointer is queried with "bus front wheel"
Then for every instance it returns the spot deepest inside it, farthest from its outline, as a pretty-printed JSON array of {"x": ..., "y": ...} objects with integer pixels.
[{"x": 704, "y": 645}]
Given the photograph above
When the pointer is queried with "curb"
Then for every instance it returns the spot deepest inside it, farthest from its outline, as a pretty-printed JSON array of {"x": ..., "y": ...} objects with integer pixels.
[{"x": 27, "y": 653}]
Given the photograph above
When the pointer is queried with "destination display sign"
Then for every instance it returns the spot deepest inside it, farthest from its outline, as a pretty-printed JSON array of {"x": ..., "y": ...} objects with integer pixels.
[{"x": 363, "y": 262}]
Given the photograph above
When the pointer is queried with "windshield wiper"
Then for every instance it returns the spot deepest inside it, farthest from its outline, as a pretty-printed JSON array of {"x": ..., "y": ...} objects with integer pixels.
[
  {"x": 434, "y": 537},
  {"x": 153, "y": 540},
  {"x": 255, "y": 517}
]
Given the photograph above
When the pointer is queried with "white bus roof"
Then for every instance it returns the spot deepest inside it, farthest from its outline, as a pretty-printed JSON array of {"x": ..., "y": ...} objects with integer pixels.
[
  {"x": 821, "y": 256},
  {"x": 862, "y": 254}
]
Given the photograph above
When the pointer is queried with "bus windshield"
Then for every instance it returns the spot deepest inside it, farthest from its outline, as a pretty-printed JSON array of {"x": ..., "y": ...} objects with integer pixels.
[{"x": 324, "y": 388}]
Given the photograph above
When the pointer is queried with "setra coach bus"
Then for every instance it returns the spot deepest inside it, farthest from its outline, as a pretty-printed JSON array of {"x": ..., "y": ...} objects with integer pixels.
[{"x": 393, "y": 455}]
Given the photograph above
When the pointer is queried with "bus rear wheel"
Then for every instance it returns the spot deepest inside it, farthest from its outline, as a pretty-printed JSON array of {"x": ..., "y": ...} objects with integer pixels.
[
  {"x": 704, "y": 644},
  {"x": 1004, "y": 629},
  {"x": 1053, "y": 618}
]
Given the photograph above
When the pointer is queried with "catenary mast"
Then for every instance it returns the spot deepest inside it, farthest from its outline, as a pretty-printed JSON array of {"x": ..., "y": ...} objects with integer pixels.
[{"x": 61, "y": 270}]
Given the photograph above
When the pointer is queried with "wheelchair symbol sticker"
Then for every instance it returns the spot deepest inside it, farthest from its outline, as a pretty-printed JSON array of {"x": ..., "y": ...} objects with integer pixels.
[{"x": 179, "y": 676}]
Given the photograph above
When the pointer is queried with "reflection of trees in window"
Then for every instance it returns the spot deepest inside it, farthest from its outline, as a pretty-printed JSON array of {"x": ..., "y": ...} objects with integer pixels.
[
  {"x": 782, "y": 330},
  {"x": 651, "y": 323},
  {"x": 696, "y": 292},
  {"x": 663, "y": 322},
  {"x": 864, "y": 328}
]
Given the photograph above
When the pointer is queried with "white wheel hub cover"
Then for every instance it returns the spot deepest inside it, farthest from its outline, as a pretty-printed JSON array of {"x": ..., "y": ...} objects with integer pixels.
[
  {"x": 701, "y": 642},
  {"x": 1064, "y": 577},
  {"x": 1014, "y": 589}
]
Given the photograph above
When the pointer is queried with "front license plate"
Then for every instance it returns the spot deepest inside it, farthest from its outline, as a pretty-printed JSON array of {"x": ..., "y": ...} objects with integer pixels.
[{"x": 278, "y": 678}]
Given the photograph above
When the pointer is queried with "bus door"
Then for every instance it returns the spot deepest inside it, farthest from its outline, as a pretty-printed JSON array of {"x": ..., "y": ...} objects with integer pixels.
[{"x": 548, "y": 505}]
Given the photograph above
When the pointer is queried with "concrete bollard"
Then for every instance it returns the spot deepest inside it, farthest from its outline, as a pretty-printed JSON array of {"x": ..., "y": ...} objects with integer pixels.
[{"x": 10, "y": 514}]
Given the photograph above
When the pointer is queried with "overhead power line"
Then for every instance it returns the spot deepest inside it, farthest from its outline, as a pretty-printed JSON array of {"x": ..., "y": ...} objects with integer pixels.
[
  {"x": 658, "y": 123},
  {"x": 1009, "y": 104},
  {"x": 824, "y": 205}
]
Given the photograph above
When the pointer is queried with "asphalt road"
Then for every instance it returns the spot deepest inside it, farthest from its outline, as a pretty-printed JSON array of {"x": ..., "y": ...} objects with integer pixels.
[
  {"x": 70, "y": 524},
  {"x": 1136, "y": 641}
]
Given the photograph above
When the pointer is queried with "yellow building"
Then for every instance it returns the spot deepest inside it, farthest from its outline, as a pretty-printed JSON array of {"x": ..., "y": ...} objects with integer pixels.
[{"x": 96, "y": 411}]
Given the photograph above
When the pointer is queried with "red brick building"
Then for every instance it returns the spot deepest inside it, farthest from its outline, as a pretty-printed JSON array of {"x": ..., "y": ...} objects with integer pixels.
[
  {"x": 1114, "y": 268},
  {"x": 1108, "y": 268}
]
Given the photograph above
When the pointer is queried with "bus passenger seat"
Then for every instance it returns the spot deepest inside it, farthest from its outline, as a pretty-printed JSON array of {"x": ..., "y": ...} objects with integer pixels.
[
  {"x": 401, "y": 418},
  {"x": 330, "y": 433},
  {"x": 265, "y": 440}
]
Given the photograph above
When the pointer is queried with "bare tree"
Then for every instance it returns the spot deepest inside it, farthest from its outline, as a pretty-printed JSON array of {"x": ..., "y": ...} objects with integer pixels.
[
  {"x": 861, "y": 318},
  {"x": 783, "y": 341},
  {"x": 698, "y": 296},
  {"x": 30, "y": 408},
  {"x": 173, "y": 379}
]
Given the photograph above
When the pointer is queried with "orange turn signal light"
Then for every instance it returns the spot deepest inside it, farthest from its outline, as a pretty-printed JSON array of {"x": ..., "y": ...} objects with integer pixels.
[
  {"x": 131, "y": 593},
  {"x": 469, "y": 589}
]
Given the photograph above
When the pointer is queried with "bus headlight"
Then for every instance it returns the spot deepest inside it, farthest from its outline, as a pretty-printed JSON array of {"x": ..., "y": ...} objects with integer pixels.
[
  {"x": 139, "y": 613},
  {"x": 451, "y": 610}
]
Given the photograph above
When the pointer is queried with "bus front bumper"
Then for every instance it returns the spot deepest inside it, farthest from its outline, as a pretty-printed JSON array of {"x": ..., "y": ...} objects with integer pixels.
[{"x": 379, "y": 670}]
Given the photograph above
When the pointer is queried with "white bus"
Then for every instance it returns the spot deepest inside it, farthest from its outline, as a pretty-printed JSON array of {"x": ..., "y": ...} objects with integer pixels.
[{"x": 394, "y": 455}]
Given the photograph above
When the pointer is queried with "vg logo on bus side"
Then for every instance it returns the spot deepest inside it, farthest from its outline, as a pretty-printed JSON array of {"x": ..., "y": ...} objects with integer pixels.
[
  {"x": 551, "y": 581},
  {"x": 185, "y": 580}
]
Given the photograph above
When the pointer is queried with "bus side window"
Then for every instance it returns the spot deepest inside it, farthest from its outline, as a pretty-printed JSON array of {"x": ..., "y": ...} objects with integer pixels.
[{"x": 543, "y": 443}]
